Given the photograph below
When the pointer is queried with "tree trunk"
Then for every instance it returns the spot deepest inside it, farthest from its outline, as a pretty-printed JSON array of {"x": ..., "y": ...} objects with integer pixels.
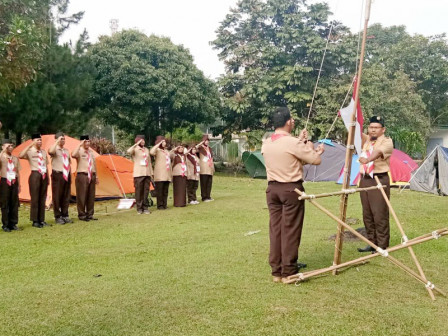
[{"x": 18, "y": 138}]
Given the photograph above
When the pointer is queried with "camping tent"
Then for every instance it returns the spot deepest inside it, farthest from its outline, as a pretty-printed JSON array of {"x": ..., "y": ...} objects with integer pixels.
[
  {"x": 254, "y": 163},
  {"x": 332, "y": 162},
  {"x": 114, "y": 172},
  {"x": 401, "y": 167},
  {"x": 432, "y": 175}
]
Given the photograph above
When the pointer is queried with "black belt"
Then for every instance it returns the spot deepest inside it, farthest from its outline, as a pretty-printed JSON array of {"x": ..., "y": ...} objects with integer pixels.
[
  {"x": 376, "y": 174},
  {"x": 85, "y": 173},
  {"x": 275, "y": 182}
]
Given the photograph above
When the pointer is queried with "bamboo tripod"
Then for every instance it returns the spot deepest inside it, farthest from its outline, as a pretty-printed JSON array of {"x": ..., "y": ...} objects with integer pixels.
[{"x": 406, "y": 243}]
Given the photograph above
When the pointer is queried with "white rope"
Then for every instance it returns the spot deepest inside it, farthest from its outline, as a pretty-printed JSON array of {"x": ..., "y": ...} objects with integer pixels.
[
  {"x": 349, "y": 191},
  {"x": 384, "y": 253},
  {"x": 320, "y": 69},
  {"x": 404, "y": 240},
  {"x": 118, "y": 178},
  {"x": 379, "y": 186},
  {"x": 435, "y": 235},
  {"x": 430, "y": 285}
]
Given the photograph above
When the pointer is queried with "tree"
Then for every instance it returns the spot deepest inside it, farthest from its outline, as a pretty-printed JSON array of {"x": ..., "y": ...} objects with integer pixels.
[
  {"x": 272, "y": 51},
  {"x": 149, "y": 85},
  {"x": 26, "y": 27},
  {"x": 55, "y": 101}
]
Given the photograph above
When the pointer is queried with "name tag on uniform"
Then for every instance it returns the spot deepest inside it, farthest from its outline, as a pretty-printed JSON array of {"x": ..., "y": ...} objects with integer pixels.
[
  {"x": 198, "y": 169},
  {"x": 11, "y": 176},
  {"x": 143, "y": 163}
]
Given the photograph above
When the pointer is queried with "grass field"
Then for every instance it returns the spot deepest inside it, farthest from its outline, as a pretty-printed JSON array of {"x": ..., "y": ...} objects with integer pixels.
[{"x": 192, "y": 271}]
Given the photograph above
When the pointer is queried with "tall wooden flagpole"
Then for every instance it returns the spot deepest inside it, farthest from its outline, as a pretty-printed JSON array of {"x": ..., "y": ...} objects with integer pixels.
[{"x": 350, "y": 146}]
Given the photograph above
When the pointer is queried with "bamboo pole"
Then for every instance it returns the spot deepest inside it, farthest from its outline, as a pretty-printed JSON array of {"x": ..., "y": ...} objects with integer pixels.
[
  {"x": 337, "y": 193},
  {"x": 309, "y": 274},
  {"x": 405, "y": 238},
  {"x": 350, "y": 142},
  {"x": 385, "y": 253}
]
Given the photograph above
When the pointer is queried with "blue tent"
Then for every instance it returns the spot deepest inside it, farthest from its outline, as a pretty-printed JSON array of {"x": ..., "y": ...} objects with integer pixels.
[{"x": 354, "y": 175}]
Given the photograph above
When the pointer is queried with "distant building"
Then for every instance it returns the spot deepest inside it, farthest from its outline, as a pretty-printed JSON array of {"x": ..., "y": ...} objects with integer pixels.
[{"x": 439, "y": 137}]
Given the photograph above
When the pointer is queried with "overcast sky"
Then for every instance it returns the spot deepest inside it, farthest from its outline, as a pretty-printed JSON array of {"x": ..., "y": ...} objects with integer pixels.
[{"x": 193, "y": 22}]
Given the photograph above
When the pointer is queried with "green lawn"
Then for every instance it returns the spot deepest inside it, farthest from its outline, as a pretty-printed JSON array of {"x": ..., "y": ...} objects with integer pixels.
[{"x": 192, "y": 271}]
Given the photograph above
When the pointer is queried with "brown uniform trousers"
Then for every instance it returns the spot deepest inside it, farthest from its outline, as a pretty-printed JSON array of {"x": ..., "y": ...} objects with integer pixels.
[
  {"x": 61, "y": 193},
  {"x": 286, "y": 215},
  {"x": 85, "y": 195},
  {"x": 38, "y": 192},
  {"x": 192, "y": 187},
  {"x": 180, "y": 191},
  {"x": 375, "y": 211},
  {"x": 206, "y": 186},
  {"x": 9, "y": 200},
  {"x": 162, "y": 194},
  {"x": 141, "y": 184}
]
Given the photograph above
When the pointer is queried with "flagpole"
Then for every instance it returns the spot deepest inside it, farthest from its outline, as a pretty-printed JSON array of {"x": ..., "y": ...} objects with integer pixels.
[{"x": 350, "y": 146}]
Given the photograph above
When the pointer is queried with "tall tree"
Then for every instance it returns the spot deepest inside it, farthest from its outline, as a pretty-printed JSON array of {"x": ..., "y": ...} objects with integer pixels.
[
  {"x": 272, "y": 51},
  {"x": 150, "y": 85}
]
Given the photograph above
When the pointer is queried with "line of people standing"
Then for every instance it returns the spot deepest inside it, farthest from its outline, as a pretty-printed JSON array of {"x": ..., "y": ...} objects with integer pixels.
[
  {"x": 38, "y": 181},
  {"x": 183, "y": 165}
]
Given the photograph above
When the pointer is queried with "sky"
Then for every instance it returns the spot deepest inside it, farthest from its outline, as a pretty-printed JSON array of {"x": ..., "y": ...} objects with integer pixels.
[{"x": 193, "y": 23}]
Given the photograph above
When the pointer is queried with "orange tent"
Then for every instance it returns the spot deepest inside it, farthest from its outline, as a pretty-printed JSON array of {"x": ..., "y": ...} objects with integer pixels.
[{"x": 113, "y": 171}]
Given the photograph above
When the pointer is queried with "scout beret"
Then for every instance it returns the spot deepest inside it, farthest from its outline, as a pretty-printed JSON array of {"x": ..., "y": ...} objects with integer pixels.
[
  {"x": 377, "y": 119},
  {"x": 58, "y": 134},
  {"x": 6, "y": 142},
  {"x": 84, "y": 137},
  {"x": 36, "y": 136}
]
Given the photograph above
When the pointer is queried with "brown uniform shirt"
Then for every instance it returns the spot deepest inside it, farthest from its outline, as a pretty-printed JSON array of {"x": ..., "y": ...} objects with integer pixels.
[
  {"x": 177, "y": 167},
  {"x": 190, "y": 168},
  {"x": 33, "y": 158},
  {"x": 206, "y": 164},
  {"x": 284, "y": 158},
  {"x": 57, "y": 163},
  {"x": 83, "y": 163},
  {"x": 161, "y": 173},
  {"x": 385, "y": 146},
  {"x": 138, "y": 157},
  {"x": 4, "y": 165}
]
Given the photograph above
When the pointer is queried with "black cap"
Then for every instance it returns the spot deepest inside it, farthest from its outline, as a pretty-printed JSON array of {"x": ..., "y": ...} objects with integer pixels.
[
  {"x": 36, "y": 136},
  {"x": 377, "y": 119},
  {"x": 6, "y": 142},
  {"x": 58, "y": 135},
  {"x": 84, "y": 137}
]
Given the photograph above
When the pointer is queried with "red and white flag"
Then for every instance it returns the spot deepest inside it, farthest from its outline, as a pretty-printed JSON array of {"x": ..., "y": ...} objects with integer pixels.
[{"x": 346, "y": 114}]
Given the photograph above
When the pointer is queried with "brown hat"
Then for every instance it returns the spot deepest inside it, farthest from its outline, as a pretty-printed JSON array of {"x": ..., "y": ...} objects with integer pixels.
[
  {"x": 205, "y": 137},
  {"x": 138, "y": 137},
  {"x": 159, "y": 139}
]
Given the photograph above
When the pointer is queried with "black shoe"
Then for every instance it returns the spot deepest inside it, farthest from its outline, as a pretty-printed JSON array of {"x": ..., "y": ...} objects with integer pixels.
[
  {"x": 85, "y": 219},
  {"x": 44, "y": 224},
  {"x": 301, "y": 265},
  {"x": 16, "y": 228},
  {"x": 368, "y": 248},
  {"x": 92, "y": 218},
  {"x": 6, "y": 229},
  {"x": 38, "y": 225},
  {"x": 67, "y": 219},
  {"x": 60, "y": 220}
]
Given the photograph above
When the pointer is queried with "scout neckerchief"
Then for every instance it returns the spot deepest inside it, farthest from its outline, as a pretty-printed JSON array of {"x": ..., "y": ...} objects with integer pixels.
[
  {"x": 183, "y": 165},
  {"x": 277, "y": 136},
  {"x": 41, "y": 165},
  {"x": 209, "y": 155},
  {"x": 65, "y": 165},
  {"x": 89, "y": 165},
  {"x": 367, "y": 169},
  {"x": 194, "y": 161},
  {"x": 10, "y": 172},
  {"x": 167, "y": 159},
  {"x": 145, "y": 161}
]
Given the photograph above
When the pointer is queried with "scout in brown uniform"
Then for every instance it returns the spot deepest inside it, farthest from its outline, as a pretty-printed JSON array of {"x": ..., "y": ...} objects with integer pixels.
[
  {"x": 9, "y": 187},
  {"x": 193, "y": 170},
  {"x": 61, "y": 179},
  {"x": 86, "y": 179},
  {"x": 179, "y": 176},
  {"x": 284, "y": 156},
  {"x": 374, "y": 161},
  {"x": 162, "y": 171},
  {"x": 142, "y": 173},
  {"x": 207, "y": 168},
  {"x": 38, "y": 181}
]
